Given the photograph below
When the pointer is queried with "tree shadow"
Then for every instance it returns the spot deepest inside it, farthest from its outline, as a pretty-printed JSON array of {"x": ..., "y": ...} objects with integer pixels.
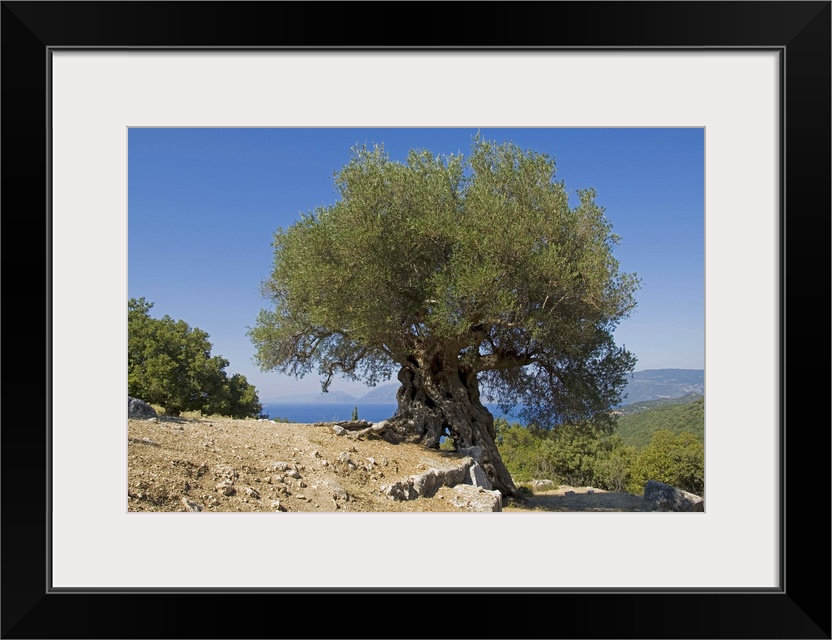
[{"x": 585, "y": 502}]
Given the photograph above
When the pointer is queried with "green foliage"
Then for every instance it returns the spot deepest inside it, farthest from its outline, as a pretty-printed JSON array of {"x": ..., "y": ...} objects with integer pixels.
[
  {"x": 480, "y": 259},
  {"x": 521, "y": 450},
  {"x": 586, "y": 455},
  {"x": 447, "y": 444},
  {"x": 577, "y": 455},
  {"x": 613, "y": 467},
  {"x": 572, "y": 450},
  {"x": 233, "y": 397},
  {"x": 637, "y": 429},
  {"x": 169, "y": 363},
  {"x": 354, "y": 413},
  {"x": 675, "y": 459}
]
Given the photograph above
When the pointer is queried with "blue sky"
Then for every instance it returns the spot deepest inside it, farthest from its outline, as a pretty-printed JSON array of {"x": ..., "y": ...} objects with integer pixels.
[{"x": 203, "y": 205}]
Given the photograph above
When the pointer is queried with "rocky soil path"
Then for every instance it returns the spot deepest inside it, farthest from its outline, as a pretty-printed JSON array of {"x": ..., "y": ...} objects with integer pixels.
[
  {"x": 218, "y": 464},
  {"x": 222, "y": 465}
]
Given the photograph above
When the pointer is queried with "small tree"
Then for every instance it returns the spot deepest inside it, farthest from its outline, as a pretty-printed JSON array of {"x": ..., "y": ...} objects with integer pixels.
[
  {"x": 465, "y": 275},
  {"x": 169, "y": 363}
]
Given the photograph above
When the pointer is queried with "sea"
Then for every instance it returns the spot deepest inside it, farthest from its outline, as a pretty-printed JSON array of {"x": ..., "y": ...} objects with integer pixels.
[{"x": 307, "y": 412}]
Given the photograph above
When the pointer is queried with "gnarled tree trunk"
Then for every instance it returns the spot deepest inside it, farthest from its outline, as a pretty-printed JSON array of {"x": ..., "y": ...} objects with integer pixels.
[{"x": 439, "y": 398}]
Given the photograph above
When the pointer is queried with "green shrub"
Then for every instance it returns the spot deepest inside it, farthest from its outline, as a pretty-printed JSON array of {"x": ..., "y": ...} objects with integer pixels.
[
  {"x": 447, "y": 444},
  {"x": 587, "y": 455},
  {"x": 677, "y": 460},
  {"x": 520, "y": 449},
  {"x": 613, "y": 468}
]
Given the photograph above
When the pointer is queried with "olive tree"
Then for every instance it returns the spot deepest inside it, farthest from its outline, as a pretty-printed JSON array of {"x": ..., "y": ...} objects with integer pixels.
[{"x": 465, "y": 276}]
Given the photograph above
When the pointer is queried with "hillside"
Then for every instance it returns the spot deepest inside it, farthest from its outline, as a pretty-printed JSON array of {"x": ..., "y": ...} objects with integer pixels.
[
  {"x": 637, "y": 428},
  {"x": 654, "y": 384},
  {"x": 317, "y": 398},
  {"x": 223, "y": 465},
  {"x": 382, "y": 394},
  {"x": 644, "y": 386},
  {"x": 644, "y": 405}
]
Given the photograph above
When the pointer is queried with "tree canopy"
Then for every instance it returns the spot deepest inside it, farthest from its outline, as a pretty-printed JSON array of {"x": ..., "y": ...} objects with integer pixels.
[
  {"x": 467, "y": 275},
  {"x": 169, "y": 363}
]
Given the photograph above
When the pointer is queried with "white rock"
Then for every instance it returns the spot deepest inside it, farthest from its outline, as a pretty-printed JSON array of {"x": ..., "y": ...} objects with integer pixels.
[
  {"x": 190, "y": 505},
  {"x": 473, "y": 498}
]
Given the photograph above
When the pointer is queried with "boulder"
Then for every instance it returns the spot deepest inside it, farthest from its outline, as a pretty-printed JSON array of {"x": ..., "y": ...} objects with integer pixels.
[
  {"x": 669, "y": 498},
  {"x": 427, "y": 483},
  {"x": 476, "y": 499},
  {"x": 477, "y": 477},
  {"x": 467, "y": 472},
  {"x": 399, "y": 491},
  {"x": 139, "y": 410}
]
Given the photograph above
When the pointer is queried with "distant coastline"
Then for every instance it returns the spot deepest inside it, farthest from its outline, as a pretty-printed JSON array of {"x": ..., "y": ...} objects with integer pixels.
[
  {"x": 382, "y": 394},
  {"x": 311, "y": 412},
  {"x": 647, "y": 384}
]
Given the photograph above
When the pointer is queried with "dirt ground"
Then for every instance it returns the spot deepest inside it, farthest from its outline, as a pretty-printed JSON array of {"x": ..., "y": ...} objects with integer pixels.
[
  {"x": 566, "y": 498},
  {"x": 220, "y": 464}
]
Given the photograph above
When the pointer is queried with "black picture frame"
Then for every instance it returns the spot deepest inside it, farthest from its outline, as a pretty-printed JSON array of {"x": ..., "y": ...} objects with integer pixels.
[{"x": 800, "y": 608}]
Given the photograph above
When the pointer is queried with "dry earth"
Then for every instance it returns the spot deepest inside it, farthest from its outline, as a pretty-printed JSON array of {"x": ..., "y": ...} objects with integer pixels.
[{"x": 220, "y": 464}]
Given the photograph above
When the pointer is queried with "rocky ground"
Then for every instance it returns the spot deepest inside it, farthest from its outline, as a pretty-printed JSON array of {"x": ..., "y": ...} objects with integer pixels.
[{"x": 220, "y": 464}]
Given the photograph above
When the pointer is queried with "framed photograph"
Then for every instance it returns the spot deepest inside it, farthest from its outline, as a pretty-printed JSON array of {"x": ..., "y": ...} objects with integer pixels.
[{"x": 752, "y": 77}]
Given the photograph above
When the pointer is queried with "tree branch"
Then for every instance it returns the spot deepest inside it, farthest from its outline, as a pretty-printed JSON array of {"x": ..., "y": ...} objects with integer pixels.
[
  {"x": 497, "y": 361},
  {"x": 346, "y": 367}
]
